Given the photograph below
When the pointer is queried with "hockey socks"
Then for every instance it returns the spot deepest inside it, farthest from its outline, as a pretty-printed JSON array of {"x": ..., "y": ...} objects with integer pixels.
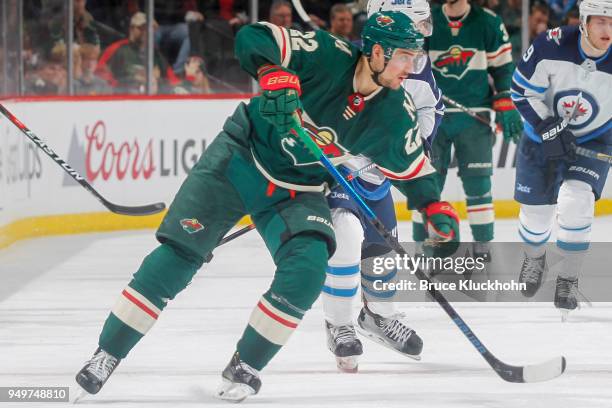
[
  {"x": 162, "y": 275},
  {"x": 481, "y": 215},
  {"x": 271, "y": 324}
]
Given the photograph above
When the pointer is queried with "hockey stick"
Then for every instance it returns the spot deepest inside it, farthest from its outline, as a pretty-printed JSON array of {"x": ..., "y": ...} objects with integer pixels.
[
  {"x": 469, "y": 111},
  {"x": 250, "y": 227},
  {"x": 297, "y": 5},
  {"x": 236, "y": 234},
  {"x": 519, "y": 374},
  {"x": 583, "y": 151},
  {"x": 117, "y": 209}
]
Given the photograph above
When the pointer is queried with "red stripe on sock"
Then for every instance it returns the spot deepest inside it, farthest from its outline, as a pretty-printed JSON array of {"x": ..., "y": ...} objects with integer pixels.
[
  {"x": 276, "y": 317},
  {"x": 140, "y": 304},
  {"x": 480, "y": 209}
]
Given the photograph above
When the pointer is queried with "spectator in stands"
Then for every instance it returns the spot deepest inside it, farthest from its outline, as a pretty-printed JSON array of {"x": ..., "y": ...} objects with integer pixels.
[
  {"x": 50, "y": 76},
  {"x": 195, "y": 80},
  {"x": 572, "y": 17},
  {"x": 127, "y": 61},
  {"x": 341, "y": 21},
  {"x": 234, "y": 12},
  {"x": 172, "y": 34},
  {"x": 84, "y": 30},
  {"x": 281, "y": 14},
  {"x": 538, "y": 20},
  {"x": 89, "y": 83},
  {"x": 559, "y": 9},
  {"x": 112, "y": 18}
]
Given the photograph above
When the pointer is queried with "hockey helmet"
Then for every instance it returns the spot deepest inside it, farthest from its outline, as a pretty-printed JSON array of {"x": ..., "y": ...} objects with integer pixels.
[
  {"x": 589, "y": 8},
  {"x": 391, "y": 30},
  {"x": 418, "y": 11}
]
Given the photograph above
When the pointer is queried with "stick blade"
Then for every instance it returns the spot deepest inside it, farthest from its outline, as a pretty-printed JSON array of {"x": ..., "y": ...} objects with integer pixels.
[
  {"x": 544, "y": 371},
  {"x": 148, "y": 209}
]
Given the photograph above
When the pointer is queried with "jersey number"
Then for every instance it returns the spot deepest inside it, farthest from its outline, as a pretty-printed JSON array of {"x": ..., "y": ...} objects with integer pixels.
[
  {"x": 528, "y": 53},
  {"x": 303, "y": 41},
  {"x": 413, "y": 137},
  {"x": 505, "y": 36}
]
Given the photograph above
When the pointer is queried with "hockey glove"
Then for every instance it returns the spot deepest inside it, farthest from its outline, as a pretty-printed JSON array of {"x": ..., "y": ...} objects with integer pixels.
[
  {"x": 507, "y": 116},
  {"x": 557, "y": 142},
  {"x": 442, "y": 226},
  {"x": 280, "y": 96}
]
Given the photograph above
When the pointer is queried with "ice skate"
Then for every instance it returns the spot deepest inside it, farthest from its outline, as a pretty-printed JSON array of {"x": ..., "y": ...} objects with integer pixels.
[
  {"x": 343, "y": 342},
  {"x": 239, "y": 381},
  {"x": 481, "y": 250},
  {"x": 531, "y": 274},
  {"x": 96, "y": 371},
  {"x": 391, "y": 332},
  {"x": 566, "y": 296}
]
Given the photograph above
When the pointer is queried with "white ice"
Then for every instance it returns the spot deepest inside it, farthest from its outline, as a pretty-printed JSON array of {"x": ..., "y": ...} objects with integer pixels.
[{"x": 56, "y": 293}]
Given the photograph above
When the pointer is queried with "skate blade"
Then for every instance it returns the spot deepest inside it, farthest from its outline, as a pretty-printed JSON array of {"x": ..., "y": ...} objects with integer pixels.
[
  {"x": 382, "y": 342},
  {"x": 564, "y": 315},
  {"x": 80, "y": 395},
  {"x": 347, "y": 364},
  {"x": 233, "y": 392}
]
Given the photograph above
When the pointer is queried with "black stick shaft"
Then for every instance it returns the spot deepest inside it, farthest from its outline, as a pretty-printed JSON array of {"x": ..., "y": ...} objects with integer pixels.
[{"x": 119, "y": 209}]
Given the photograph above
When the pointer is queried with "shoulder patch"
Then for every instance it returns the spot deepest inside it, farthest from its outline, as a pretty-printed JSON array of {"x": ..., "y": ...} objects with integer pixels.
[{"x": 554, "y": 34}]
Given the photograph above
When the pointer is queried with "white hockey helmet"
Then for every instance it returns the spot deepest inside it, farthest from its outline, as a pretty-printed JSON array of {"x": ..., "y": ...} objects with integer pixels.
[
  {"x": 589, "y": 8},
  {"x": 417, "y": 10}
]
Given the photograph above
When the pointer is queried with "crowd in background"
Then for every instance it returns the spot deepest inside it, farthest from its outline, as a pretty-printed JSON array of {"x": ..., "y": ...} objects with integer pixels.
[{"x": 193, "y": 40}]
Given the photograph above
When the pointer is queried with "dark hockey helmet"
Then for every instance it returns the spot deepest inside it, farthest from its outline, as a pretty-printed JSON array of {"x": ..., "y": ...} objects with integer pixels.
[{"x": 391, "y": 30}]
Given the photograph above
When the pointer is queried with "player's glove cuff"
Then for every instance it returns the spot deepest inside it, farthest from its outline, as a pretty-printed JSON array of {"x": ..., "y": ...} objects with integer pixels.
[
  {"x": 442, "y": 226},
  {"x": 502, "y": 102},
  {"x": 274, "y": 78}
]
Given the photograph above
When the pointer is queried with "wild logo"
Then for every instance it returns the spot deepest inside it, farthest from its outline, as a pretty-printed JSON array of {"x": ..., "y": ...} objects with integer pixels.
[
  {"x": 454, "y": 62},
  {"x": 384, "y": 21},
  {"x": 325, "y": 137},
  {"x": 191, "y": 225}
]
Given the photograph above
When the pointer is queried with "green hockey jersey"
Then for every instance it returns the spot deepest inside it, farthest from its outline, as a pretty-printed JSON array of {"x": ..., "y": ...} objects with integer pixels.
[
  {"x": 462, "y": 56},
  {"x": 386, "y": 130}
]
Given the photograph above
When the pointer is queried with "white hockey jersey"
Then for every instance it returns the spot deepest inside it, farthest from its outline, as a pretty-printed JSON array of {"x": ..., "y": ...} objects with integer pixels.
[{"x": 553, "y": 75}]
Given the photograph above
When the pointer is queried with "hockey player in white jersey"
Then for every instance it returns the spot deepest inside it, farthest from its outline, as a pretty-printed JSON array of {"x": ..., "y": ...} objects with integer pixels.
[
  {"x": 356, "y": 240},
  {"x": 562, "y": 89}
]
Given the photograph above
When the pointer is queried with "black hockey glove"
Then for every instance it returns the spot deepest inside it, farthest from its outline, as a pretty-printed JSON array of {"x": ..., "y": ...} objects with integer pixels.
[{"x": 558, "y": 143}]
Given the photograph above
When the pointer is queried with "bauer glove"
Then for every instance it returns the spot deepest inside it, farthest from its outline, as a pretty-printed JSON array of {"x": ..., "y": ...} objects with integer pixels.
[
  {"x": 280, "y": 96},
  {"x": 507, "y": 116},
  {"x": 557, "y": 142},
  {"x": 442, "y": 226}
]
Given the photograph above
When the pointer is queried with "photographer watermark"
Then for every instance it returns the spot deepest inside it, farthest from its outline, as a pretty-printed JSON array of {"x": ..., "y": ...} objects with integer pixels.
[{"x": 468, "y": 276}]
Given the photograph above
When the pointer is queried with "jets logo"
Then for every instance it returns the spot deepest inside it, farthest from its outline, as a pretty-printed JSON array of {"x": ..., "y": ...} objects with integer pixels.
[
  {"x": 564, "y": 104},
  {"x": 555, "y": 35},
  {"x": 454, "y": 62},
  {"x": 325, "y": 137},
  {"x": 384, "y": 21}
]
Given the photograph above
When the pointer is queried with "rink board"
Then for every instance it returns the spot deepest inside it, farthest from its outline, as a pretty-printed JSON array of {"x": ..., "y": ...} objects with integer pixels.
[{"x": 137, "y": 151}]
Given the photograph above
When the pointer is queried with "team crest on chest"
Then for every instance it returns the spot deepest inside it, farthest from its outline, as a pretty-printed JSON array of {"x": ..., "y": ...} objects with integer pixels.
[
  {"x": 325, "y": 137},
  {"x": 454, "y": 62},
  {"x": 585, "y": 113}
]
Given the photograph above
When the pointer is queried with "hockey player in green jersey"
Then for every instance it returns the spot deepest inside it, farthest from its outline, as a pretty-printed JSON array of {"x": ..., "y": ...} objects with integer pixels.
[
  {"x": 468, "y": 44},
  {"x": 350, "y": 102}
]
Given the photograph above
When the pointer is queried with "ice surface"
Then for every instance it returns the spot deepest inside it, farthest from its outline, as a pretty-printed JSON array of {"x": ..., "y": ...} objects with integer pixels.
[{"x": 56, "y": 293}]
